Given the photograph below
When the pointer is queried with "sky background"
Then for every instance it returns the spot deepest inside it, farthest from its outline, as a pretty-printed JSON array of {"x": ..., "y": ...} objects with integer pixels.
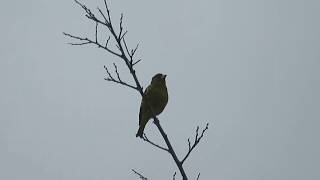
[{"x": 250, "y": 68}]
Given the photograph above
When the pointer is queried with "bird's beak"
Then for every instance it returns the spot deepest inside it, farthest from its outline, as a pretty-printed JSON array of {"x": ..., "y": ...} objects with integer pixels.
[{"x": 164, "y": 76}]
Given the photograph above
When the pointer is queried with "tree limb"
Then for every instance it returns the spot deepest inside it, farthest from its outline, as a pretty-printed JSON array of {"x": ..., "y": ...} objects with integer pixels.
[{"x": 127, "y": 56}]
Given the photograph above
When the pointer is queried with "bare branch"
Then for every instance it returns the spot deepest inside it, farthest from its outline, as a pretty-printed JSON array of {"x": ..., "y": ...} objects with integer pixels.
[
  {"x": 140, "y": 175},
  {"x": 196, "y": 141},
  {"x": 131, "y": 54},
  {"x": 108, "y": 12},
  {"x": 120, "y": 27},
  {"x": 96, "y": 32},
  {"x": 89, "y": 14},
  {"x": 116, "y": 70},
  {"x": 145, "y": 138},
  {"x": 118, "y": 80},
  {"x": 171, "y": 150},
  {"x": 133, "y": 51},
  {"x": 127, "y": 57},
  {"x": 104, "y": 17},
  {"x": 89, "y": 41}
]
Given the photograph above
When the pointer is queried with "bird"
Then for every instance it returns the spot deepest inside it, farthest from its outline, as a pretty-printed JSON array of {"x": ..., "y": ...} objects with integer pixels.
[{"x": 155, "y": 97}]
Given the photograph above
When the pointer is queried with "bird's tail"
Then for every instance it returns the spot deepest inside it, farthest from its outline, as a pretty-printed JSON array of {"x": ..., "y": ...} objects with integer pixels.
[{"x": 140, "y": 131}]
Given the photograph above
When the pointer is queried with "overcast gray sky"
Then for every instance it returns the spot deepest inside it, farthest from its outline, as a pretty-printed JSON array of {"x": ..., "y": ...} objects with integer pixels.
[{"x": 248, "y": 67}]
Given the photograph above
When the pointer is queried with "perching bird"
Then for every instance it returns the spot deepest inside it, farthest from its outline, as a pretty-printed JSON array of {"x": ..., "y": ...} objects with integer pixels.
[{"x": 155, "y": 96}]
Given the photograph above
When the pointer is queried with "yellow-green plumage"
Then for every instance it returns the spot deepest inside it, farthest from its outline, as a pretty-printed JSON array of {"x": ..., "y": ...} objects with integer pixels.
[{"x": 155, "y": 96}]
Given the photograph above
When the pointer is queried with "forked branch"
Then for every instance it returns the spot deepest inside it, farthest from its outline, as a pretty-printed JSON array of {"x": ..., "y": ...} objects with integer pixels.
[
  {"x": 196, "y": 141},
  {"x": 128, "y": 57}
]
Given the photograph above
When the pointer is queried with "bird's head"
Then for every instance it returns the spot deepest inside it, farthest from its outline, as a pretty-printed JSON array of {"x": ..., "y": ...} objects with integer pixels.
[{"x": 159, "y": 78}]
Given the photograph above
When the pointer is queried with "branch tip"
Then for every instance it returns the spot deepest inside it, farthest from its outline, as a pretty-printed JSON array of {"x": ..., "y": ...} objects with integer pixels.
[
  {"x": 196, "y": 142},
  {"x": 140, "y": 175}
]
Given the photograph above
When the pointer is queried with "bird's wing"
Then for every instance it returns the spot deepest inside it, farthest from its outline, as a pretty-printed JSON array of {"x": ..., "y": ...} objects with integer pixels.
[{"x": 143, "y": 106}]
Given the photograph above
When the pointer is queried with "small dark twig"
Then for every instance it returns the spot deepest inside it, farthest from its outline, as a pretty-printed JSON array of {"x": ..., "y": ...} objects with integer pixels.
[
  {"x": 196, "y": 141},
  {"x": 136, "y": 62},
  {"x": 108, "y": 11},
  {"x": 120, "y": 27},
  {"x": 89, "y": 13},
  {"x": 104, "y": 17},
  {"x": 198, "y": 176},
  {"x": 79, "y": 44},
  {"x": 89, "y": 41},
  {"x": 123, "y": 35},
  {"x": 126, "y": 47},
  {"x": 116, "y": 70},
  {"x": 118, "y": 80},
  {"x": 96, "y": 32},
  {"x": 106, "y": 46},
  {"x": 133, "y": 51},
  {"x": 174, "y": 175},
  {"x": 140, "y": 175},
  {"x": 145, "y": 138}
]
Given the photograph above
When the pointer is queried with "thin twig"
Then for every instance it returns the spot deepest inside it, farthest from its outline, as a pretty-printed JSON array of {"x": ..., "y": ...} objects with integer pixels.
[
  {"x": 120, "y": 27},
  {"x": 116, "y": 70},
  {"x": 136, "y": 62},
  {"x": 140, "y": 175},
  {"x": 145, "y": 138},
  {"x": 196, "y": 141},
  {"x": 96, "y": 33},
  {"x": 118, "y": 80},
  {"x": 106, "y": 46},
  {"x": 104, "y": 17},
  {"x": 126, "y": 47},
  {"x": 89, "y": 41},
  {"x": 106, "y": 6},
  {"x": 133, "y": 51},
  {"x": 123, "y": 34},
  {"x": 174, "y": 175},
  {"x": 79, "y": 44}
]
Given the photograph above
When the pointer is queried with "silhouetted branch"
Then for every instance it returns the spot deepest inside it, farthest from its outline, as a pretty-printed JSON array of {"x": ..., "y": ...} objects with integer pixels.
[
  {"x": 89, "y": 41},
  {"x": 96, "y": 33},
  {"x": 120, "y": 27},
  {"x": 140, "y": 175},
  {"x": 118, "y": 80},
  {"x": 104, "y": 17},
  {"x": 196, "y": 141},
  {"x": 145, "y": 138},
  {"x": 136, "y": 62},
  {"x": 127, "y": 56}
]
